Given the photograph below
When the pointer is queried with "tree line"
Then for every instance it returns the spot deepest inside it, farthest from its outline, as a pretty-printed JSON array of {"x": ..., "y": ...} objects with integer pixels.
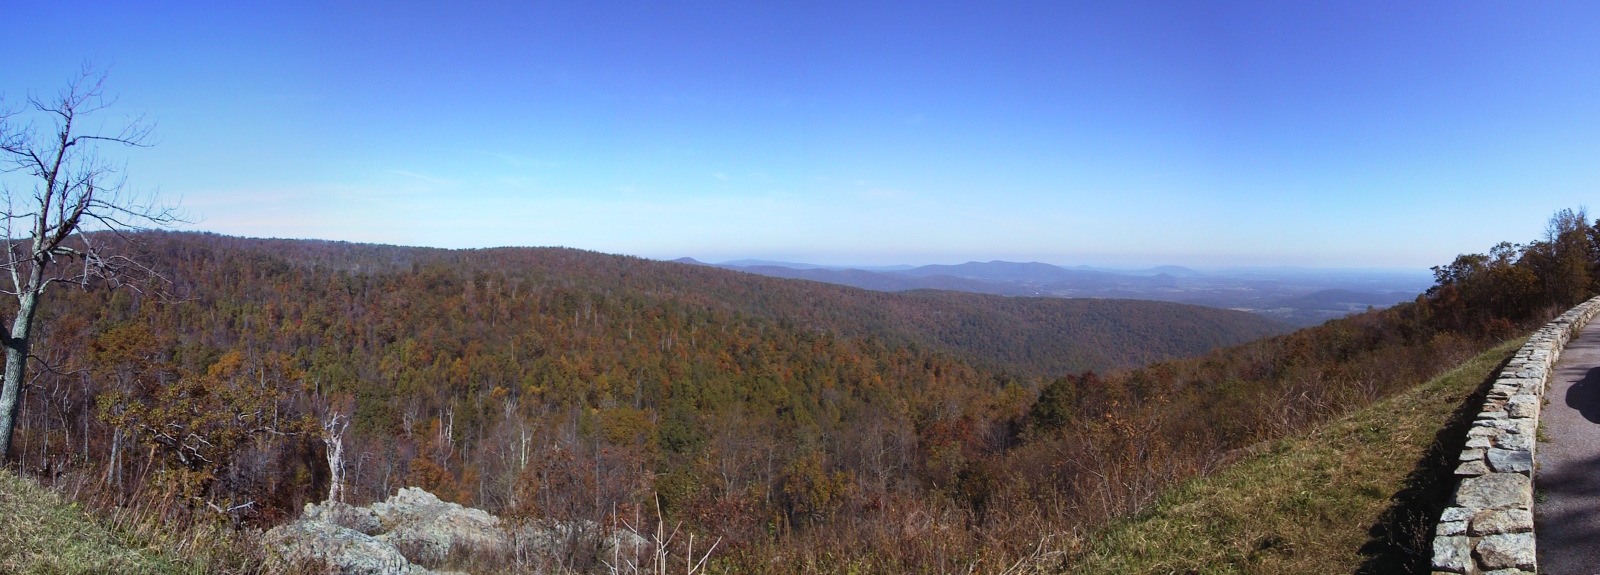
[{"x": 557, "y": 384}]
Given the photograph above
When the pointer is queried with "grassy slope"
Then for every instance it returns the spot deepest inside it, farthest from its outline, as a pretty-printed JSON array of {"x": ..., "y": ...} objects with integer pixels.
[
  {"x": 1356, "y": 495},
  {"x": 41, "y": 533}
]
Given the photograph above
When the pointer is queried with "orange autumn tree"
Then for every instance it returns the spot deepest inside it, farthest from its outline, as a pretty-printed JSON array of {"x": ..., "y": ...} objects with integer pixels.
[{"x": 199, "y": 428}]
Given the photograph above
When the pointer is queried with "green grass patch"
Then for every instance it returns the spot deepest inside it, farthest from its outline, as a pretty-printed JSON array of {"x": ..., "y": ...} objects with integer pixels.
[
  {"x": 40, "y": 532},
  {"x": 1358, "y": 494}
]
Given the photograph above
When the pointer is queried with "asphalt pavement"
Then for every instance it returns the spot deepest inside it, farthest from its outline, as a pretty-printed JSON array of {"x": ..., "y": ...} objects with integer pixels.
[{"x": 1567, "y": 481}]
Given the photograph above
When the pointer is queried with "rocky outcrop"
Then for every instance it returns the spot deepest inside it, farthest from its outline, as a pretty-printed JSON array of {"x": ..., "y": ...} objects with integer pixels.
[
  {"x": 340, "y": 549},
  {"x": 427, "y": 529},
  {"x": 1489, "y": 526},
  {"x": 413, "y": 529}
]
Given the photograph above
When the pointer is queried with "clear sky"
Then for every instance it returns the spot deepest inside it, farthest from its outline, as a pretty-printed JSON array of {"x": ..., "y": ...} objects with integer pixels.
[{"x": 1347, "y": 134}]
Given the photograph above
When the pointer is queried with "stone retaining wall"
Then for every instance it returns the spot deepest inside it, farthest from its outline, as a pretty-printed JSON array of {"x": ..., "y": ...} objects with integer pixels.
[{"x": 1488, "y": 528}]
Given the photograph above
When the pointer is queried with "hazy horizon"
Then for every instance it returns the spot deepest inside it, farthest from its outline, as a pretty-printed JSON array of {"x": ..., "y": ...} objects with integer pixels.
[
  {"x": 1098, "y": 262},
  {"x": 1322, "y": 135},
  {"x": 1069, "y": 264}
]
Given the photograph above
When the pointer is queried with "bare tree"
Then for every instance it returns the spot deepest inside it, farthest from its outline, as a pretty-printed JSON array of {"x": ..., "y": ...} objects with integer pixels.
[
  {"x": 334, "y": 427},
  {"x": 333, "y": 414},
  {"x": 65, "y": 208}
]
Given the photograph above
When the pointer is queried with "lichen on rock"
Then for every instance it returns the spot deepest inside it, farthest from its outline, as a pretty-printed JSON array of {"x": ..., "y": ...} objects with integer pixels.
[{"x": 413, "y": 529}]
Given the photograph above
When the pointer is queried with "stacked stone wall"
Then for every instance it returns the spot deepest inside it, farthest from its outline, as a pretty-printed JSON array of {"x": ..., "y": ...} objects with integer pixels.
[{"x": 1488, "y": 528}]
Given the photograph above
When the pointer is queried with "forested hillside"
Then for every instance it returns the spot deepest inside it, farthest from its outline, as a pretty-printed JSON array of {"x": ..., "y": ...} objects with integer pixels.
[
  {"x": 1021, "y": 336},
  {"x": 826, "y": 428},
  {"x": 542, "y": 381}
]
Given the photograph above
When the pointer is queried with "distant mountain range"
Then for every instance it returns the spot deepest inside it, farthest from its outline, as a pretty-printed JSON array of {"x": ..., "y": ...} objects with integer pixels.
[
  {"x": 799, "y": 266},
  {"x": 1301, "y": 296}
]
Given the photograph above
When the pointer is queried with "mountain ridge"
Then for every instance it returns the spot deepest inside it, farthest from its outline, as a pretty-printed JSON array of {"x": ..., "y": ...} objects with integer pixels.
[
  {"x": 1280, "y": 293},
  {"x": 939, "y": 319}
]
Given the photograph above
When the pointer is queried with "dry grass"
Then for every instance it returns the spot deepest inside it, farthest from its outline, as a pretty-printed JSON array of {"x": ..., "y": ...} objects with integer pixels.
[
  {"x": 1355, "y": 495},
  {"x": 43, "y": 531}
]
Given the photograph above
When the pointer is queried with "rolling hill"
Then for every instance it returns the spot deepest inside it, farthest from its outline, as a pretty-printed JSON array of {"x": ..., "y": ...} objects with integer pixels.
[
  {"x": 849, "y": 429},
  {"x": 570, "y": 385},
  {"x": 1301, "y": 297},
  {"x": 1030, "y": 336}
]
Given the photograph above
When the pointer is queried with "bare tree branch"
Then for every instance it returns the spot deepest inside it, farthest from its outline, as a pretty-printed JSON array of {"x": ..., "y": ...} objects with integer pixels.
[{"x": 76, "y": 200}]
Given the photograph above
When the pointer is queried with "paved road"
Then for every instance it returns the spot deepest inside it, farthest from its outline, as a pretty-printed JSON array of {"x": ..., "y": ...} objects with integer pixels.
[{"x": 1567, "y": 485}]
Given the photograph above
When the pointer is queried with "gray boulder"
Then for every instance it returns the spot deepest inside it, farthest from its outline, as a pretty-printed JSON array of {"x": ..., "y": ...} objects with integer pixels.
[
  {"x": 414, "y": 528},
  {"x": 428, "y": 529},
  {"x": 342, "y": 550},
  {"x": 359, "y": 519}
]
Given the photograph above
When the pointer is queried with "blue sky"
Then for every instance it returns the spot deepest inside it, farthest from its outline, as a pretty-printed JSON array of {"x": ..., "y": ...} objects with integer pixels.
[{"x": 1340, "y": 134}]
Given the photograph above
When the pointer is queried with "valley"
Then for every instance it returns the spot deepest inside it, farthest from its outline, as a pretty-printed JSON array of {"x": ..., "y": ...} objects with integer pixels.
[
  {"x": 771, "y": 415},
  {"x": 1298, "y": 296}
]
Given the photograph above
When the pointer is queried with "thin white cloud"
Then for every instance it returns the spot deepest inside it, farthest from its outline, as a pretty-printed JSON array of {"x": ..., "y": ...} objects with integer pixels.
[
  {"x": 426, "y": 178},
  {"x": 516, "y": 181},
  {"x": 518, "y": 160},
  {"x": 885, "y": 194},
  {"x": 209, "y": 198}
]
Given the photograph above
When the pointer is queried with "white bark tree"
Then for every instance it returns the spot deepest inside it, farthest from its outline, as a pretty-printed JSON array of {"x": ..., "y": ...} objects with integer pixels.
[
  {"x": 66, "y": 208},
  {"x": 333, "y": 414},
  {"x": 334, "y": 427}
]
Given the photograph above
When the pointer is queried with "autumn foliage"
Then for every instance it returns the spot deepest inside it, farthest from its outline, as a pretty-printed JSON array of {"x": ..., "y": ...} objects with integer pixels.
[{"x": 811, "y": 428}]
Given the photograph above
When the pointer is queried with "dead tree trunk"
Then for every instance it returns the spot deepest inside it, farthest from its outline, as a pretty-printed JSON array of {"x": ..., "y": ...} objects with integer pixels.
[{"x": 333, "y": 431}]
